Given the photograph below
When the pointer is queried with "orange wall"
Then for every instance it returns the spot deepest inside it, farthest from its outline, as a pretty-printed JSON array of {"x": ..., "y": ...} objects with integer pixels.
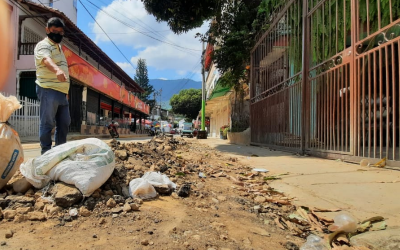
[{"x": 92, "y": 77}]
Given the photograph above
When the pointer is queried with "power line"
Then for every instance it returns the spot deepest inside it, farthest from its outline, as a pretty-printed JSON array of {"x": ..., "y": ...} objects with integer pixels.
[
  {"x": 130, "y": 26},
  {"x": 188, "y": 75},
  {"x": 107, "y": 35},
  {"x": 104, "y": 33},
  {"x": 187, "y": 78},
  {"x": 120, "y": 33},
  {"x": 43, "y": 24},
  {"x": 36, "y": 19},
  {"x": 150, "y": 29}
]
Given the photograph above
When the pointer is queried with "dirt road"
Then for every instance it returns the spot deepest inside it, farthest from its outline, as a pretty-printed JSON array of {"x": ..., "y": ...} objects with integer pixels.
[{"x": 218, "y": 214}]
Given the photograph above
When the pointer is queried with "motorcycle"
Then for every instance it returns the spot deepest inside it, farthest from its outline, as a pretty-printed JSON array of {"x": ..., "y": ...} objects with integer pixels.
[
  {"x": 154, "y": 133},
  {"x": 112, "y": 129}
]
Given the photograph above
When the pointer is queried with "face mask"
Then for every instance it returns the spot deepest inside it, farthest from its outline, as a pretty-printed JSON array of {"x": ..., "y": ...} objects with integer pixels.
[{"x": 57, "y": 38}]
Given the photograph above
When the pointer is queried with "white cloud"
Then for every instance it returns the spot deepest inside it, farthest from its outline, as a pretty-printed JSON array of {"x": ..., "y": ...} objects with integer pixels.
[
  {"x": 127, "y": 67},
  {"x": 162, "y": 78},
  {"x": 159, "y": 55}
]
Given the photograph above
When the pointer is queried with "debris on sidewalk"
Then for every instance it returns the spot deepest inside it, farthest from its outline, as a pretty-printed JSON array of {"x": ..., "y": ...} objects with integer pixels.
[
  {"x": 141, "y": 188},
  {"x": 172, "y": 166},
  {"x": 11, "y": 153},
  {"x": 379, "y": 164},
  {"x": 314, "y": 243},
  {"x": 262, "y": 170}
]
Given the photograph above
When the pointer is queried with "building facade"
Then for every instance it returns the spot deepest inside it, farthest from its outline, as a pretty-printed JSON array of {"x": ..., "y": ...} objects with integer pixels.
[
  {"x": 218, "y": 108},
  {"x": 100, "y": 90}
]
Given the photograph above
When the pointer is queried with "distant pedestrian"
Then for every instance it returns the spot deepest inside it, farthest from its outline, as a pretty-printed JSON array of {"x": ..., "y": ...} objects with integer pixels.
[{"x": 52, "y": 87}]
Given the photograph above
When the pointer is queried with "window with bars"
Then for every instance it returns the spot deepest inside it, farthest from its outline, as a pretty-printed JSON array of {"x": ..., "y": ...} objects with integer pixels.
[
  {"x": 29, "y": 41},
  {"x": 30, "y": 36}
]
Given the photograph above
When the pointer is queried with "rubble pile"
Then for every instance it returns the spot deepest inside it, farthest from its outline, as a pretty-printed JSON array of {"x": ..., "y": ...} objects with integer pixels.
[
  {"x": 21, "y": 202},
  {"x": 161, "y": 154},
  {"x": 190, "y": 167}
]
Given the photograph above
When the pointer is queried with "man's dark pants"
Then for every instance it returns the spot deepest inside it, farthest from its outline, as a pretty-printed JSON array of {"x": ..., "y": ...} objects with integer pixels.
[{"x": 54, "y": 111}]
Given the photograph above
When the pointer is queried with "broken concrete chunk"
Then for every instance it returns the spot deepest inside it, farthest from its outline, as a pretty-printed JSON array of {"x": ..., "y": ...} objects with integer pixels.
[
  {"x": 127, "y": 208},
  {"x": 135, "y": 207},
  {"x": 9, "y": 214},
  {"x": 383, "y": 240},
  {"x": 121, "y": 154},
  {"x": 184, "y": 191},
  {"x": 24, "y": 210},
  {"x": 21, "y": 186},
  {"x": 66, "y": 195},
  {"x": 20, "y": 199},
  {"x": 163, "y": 189},
  {"x": 111, "y": 203},
  {"x": 83, "y": 211},
  {"x": 36, "y": 216}
]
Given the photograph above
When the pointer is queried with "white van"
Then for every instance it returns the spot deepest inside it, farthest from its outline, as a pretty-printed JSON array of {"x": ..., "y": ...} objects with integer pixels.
[{"x": 165, "y": 127}]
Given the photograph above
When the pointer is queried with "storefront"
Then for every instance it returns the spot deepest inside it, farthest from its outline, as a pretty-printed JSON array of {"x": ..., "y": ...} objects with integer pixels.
[{"x": 105, "y": 100}]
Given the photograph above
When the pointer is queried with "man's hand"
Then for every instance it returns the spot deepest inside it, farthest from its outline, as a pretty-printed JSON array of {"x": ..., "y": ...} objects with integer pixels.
[{"x": 61, "y": 75}]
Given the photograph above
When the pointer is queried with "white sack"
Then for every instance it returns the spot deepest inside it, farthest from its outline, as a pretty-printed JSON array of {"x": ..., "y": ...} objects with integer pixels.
[
  {"x": 11, "y": 153},
  {"x": 87, "y": 164},
  {"x": 140, "y": 188},
  {"x": 157, "y": 179}
]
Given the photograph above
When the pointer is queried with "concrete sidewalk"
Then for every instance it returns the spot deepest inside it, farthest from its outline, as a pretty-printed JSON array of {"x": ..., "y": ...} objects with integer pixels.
[
  {"x": 33, "y": 141},
  {"x": 364, "y": 192}
]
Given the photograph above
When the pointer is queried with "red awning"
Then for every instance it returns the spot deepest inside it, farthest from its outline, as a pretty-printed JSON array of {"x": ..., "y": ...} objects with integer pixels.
[{"x": 105, "y": 106}]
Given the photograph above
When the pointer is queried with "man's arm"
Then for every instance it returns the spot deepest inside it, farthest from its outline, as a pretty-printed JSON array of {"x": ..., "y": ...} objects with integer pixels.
[{"x": 55, "y": 69}]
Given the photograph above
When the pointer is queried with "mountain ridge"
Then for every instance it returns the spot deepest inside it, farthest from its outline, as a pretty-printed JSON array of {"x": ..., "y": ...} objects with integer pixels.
[{"x": 171, "y": 87}]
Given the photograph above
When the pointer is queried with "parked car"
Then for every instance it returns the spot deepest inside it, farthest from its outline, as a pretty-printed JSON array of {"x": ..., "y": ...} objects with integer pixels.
[{"x": 173, "y": 131}]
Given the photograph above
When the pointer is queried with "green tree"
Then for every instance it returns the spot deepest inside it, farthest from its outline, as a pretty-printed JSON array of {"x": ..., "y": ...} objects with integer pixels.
[
  {"x": 187, "y": 103},
  {"x": 232, "y": 30},
  {"x": 183, "y": 16},
  {"x": 142, "y": 79}
]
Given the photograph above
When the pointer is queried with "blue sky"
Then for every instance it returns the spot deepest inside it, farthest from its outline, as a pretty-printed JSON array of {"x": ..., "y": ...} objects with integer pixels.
[{"x": 168, "y": 56}]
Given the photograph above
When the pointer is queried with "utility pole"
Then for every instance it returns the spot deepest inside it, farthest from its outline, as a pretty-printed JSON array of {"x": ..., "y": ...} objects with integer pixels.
[
  {"x": 152, "y": 112},
  {"x": 202, "y": 133},
  {"x": 203, "y": 99},
  {"x": 160, "y": 92}
]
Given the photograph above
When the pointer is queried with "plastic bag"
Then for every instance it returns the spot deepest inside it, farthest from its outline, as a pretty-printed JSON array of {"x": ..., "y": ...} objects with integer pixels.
[
  {"x": 140, "y": 188},
  {"x": 345, "y": 222},
  {"x": 73, "y": 212},
  {"x": 314, "y": 243},
  {"x": 11, "y": 153},
  {"x": 157, "y": 179},
  {"x": 87, "y": 164}
]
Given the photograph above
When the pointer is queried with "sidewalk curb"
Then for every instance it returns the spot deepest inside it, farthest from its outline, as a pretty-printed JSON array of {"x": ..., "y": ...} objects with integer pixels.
[{"x": 35, "y": 144}]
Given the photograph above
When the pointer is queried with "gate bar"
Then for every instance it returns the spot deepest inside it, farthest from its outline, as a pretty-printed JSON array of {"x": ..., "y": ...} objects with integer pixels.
[{"x": 306, "y": 37}]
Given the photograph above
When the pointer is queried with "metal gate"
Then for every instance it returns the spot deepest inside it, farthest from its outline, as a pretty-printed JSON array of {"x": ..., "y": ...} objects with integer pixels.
[
  {"x": 276, "y": 102},
  {"x": 377, "y": 71},
  {"x": 330, "y": 77},
  {"x": 335, "y": 91}
]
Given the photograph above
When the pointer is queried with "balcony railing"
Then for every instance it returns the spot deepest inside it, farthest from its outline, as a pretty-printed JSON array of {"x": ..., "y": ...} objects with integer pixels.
[{"x": 27, "y": 48}]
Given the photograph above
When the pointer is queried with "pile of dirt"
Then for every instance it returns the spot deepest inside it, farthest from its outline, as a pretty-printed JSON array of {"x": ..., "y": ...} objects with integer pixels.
[
  {"x": 202, "y": 176},
  {"x": 186, "y": 164}
]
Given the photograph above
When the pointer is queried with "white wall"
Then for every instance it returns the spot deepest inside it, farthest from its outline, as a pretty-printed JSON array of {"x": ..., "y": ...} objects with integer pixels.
[
  {"x": 69, "y": 9},
  {"x": 65, "y": 6},
  {"x": 221, "y": 116},
  {"x": 10, "y": 86},
  {"x": 212, "y": 78}
]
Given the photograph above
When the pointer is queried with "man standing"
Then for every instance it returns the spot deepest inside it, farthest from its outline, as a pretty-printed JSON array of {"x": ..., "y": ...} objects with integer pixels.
[{"x": 52, "y": 87}]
